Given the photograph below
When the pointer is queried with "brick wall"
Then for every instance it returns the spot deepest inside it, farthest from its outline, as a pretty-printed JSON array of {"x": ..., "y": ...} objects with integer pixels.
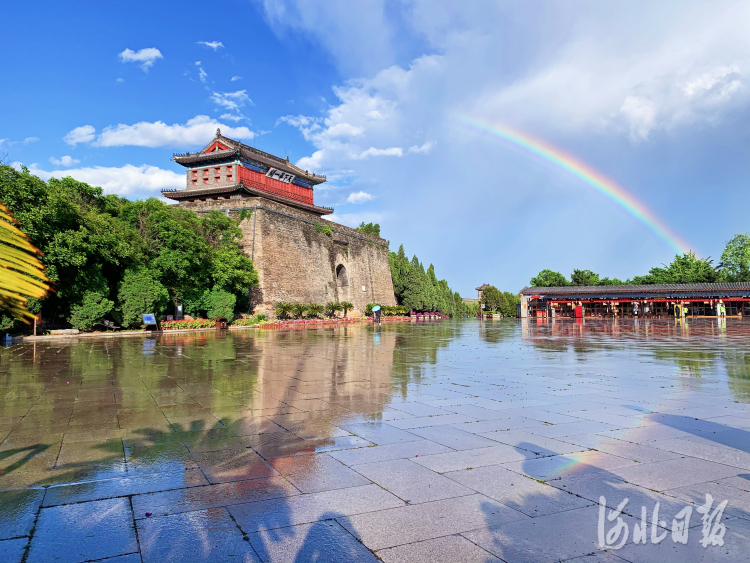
[{"x": 298, "y": 264}]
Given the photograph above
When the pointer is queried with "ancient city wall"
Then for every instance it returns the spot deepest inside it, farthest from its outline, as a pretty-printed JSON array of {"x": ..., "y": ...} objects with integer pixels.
[{"x": 298, "y": 262}]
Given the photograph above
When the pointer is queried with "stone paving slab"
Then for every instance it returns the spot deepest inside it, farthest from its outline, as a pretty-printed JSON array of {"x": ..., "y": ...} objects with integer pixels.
[
  {"x": 456, "y": 460},
  {"x": 390, "y": 451},
  {"x": 325, "y": 541},
  {"x": 212, "y": 496},
  {"x": 448, "y": 549},
  {"x": 540, "y": 445},
  {"x": 557, "y": 537},
  {"x": 75, "y": 533},
  {"x": 316, "y": 473},
  {"x": 453, "y": 437},
  {"x": 18, "y": 512},
  {"x": 569, "y": 466},
  {"x": 11, "y": 551},
  {"x": 112, "y": 488},
  {"x": 517, "y": 491},
  {"x": 204, "y": 536},
  {"x": 411, "y": 482},
  {"x": 281, "y": 513},
  {"x": 399, "y": 526},
  {"x": 675, "y": 473}
]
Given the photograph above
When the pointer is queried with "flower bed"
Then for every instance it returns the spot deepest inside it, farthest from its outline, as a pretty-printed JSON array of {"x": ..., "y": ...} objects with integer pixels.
[{"x": 183, "y": 324}]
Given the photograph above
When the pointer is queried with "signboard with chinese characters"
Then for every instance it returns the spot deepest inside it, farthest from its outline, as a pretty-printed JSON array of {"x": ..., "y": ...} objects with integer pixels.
[
  {"x": 279, "y": 175},
  {"x": 149, "y": 319}
]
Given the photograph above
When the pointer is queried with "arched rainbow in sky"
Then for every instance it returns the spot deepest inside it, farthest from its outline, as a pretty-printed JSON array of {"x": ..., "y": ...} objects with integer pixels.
[{"x": 550, "y": 154}]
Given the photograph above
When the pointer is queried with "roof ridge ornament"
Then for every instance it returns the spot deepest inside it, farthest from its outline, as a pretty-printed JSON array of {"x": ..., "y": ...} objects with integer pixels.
[{"x": 218, "y": 132}]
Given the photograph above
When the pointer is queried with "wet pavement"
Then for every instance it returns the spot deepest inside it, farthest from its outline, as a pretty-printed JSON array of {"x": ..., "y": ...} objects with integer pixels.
[{"x": 452, "y": 441}]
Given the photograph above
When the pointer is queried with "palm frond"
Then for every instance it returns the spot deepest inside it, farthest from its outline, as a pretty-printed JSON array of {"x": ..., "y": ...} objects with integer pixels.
[{"x": 21, "y": 272}]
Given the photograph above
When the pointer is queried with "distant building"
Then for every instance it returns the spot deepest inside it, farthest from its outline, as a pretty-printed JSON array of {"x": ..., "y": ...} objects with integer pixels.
[
  {"x": 636, "y": 300},
  {"x": 299, "y": 255}
]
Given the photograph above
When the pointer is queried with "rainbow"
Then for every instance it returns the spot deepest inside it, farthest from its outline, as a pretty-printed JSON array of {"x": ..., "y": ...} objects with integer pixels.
[{"x": 550, "y": 154}]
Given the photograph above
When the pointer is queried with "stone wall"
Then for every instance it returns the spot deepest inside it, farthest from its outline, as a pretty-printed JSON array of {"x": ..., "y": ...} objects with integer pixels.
[{"x": 297, "y": 263}]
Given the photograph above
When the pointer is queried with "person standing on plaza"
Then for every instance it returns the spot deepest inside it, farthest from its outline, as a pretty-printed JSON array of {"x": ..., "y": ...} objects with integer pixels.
[
  {"x": 695, "y": 310},
  {"x": 376, "y": 311}
]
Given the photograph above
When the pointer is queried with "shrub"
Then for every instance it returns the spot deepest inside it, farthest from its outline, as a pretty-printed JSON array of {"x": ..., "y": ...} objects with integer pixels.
[
  {"x": 283, "y": 309},
  {"x": 91, "y": 311},
  {"x": 140, "y": 293},
  {"x": 346, "y": 307},
  {"x": 314, "y": 310},
  {"x": 331, "y": 308},
  {"x": 368, "y": 309},
  {"x": 299, "y": 310},
  {"x": 195, "y": 323},
  {"x": 220, "y": 303}
]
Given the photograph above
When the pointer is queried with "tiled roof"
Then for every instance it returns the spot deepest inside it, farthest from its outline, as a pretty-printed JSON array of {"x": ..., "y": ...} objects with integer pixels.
[
  {"x": 240, "y": 149},
  {"x": 607, "y": 290},
  {"x": 192, "y": 193}
]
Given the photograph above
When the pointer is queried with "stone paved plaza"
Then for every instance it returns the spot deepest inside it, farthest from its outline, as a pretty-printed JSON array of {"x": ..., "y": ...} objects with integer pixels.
[{"x": 450, "y": 441}]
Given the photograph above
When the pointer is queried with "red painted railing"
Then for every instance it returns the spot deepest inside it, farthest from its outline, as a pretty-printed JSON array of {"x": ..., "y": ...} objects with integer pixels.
[{"x": 258, "y": 181}]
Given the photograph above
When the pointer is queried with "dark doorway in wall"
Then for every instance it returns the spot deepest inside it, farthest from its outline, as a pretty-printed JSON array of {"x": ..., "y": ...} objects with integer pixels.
[{"x": 341, "y": 277}]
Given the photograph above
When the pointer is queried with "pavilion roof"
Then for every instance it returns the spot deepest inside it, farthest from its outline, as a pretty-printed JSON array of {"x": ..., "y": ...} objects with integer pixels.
[
  {"x": 238, "y": 149},
  {"x": 195, "y": 193},
  {"x": 654, "y": 289}
]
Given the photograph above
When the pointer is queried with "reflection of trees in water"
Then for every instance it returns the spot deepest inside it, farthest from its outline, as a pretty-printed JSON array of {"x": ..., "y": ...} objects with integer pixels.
[
  {"x": 416, "y": 348},
  {"x": 494, "y": 332},
  {"x": 693, "y": 361},
  {"x": 737, "y": 363}
]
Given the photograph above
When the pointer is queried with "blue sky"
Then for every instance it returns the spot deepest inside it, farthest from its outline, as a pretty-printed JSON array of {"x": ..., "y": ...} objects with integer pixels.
[{"x": 653, "y": 95}]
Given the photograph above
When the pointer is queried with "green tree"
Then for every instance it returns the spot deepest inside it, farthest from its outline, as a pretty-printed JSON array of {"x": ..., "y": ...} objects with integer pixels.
[
  {"x": 735, "y": 260},
  {"x": 90, "y": 312},
  {"x": 491, "y": 298},
  {"x": 369, "y": 228},
  {"x": 140, "y": 292},
  {"x": 584, "y": 277},
  {"x": 683, "y": 269},
  {"x": 220, "y": 303},
  {"x": 548, "y": 278}
]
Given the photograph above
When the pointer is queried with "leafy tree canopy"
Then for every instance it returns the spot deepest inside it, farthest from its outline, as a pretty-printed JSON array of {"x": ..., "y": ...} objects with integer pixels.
[
  {"x": 90, "y": 240},
  {"x": 369, "y": 228},
  {"x": 584, "y": 277},
  {"x": 735, "y": 260},
  {"x": 548, "y": 278}
]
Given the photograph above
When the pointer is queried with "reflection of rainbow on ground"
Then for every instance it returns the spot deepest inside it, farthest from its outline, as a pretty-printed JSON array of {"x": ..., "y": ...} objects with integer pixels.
[
  {"x": 574, "y": 464},
  {"x": 552, "y": 155}
]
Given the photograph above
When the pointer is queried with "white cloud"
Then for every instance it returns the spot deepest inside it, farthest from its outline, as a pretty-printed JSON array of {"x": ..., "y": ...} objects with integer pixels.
[
  {"x": 82, "y": 134},
  {"x": 423, "y": 149},
  {"x": 197, "y": 131},
  {"x": 355, "y": 219},
  {"x": 146, "y": 57},
  {"x": 232, "y": 117},
  {"x": 29, "y": 140},
  {"x": 211, "y": 44},
  {"x": 236, "y": 78},
  {"x": 64, "y": 161},
  {"x": 231, "y": 100},
  {"x": 641, "y": 115},
  {"x": 2, "y": 141},
  {"x": 390, "y": 151},
  {"x": 120, "y": 80},
  {"x": 359, "y": 197},
  {"x": 202, "y": 74},
  {"x": 128, "y": 180}
]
